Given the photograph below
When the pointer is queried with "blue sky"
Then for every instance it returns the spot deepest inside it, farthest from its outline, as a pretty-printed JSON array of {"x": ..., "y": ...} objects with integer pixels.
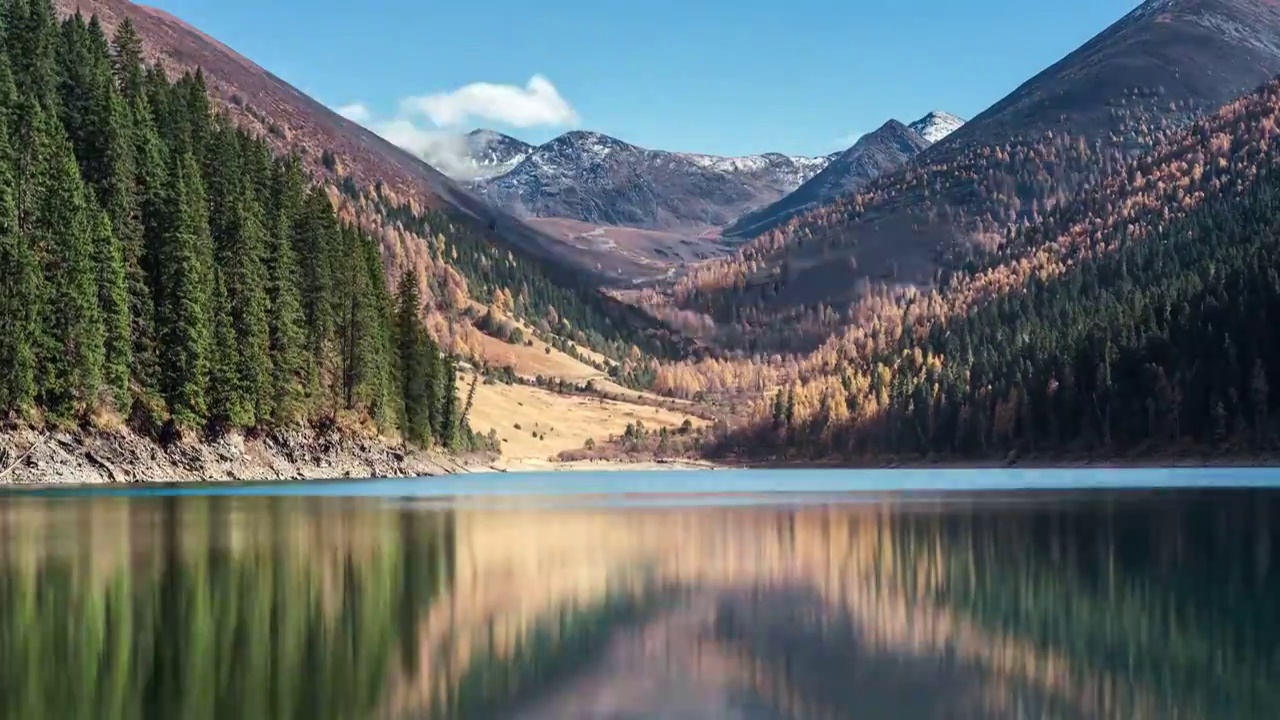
[{"x": 728, "y": 77}]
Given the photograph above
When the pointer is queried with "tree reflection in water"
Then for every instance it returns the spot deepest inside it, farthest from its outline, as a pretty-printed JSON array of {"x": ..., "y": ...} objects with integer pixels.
[{"x": 1139, "y": 605}]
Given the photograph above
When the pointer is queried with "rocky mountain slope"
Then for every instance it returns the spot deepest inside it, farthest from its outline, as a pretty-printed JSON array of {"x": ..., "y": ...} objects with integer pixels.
[
  {"x": 875, "y": 154},
  {"x": 1164, "y": 64},
  {"x": 1166, "y": 58},
  {"x": 594, "y": 178}
]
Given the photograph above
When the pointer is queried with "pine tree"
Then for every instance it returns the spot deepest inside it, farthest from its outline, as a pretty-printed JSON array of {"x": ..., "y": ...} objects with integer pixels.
[
  {"x": 31, "y": 37},
  {"x": 247, "y": 291},
  {"x": 123, "y": 202},
  {"x": 314, "y": 240},
  {"x": 449, "y": 423},
  {"x": 113, "y": 306},
  {"x": 183, "y": 318},
  {"x": 236, "y": 224},
  {"x": 156, "y": 192},
  {"x": 286, "y": 333},
  {"x": 70, "y": 354},
  {"x": 19, "y": 290},
  {"x": 413, "y": 366},
  {"x": 362, "y": 327},
  {"x": 286, "y": 326},
  {"x": 381, "y": 359},
  {"x": 128, "y": 61},
  {"x": 227, "y": 405}
]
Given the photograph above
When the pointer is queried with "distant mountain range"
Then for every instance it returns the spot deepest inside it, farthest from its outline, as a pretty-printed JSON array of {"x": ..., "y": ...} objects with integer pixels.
[{"x": 595, "y": 178}]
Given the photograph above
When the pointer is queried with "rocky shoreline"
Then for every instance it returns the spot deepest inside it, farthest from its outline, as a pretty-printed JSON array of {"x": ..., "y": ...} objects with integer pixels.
[{"x": 29, "y": 457}]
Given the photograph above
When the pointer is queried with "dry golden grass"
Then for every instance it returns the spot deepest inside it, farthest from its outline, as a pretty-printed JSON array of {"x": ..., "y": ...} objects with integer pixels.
[
  {"x": 562, "y": 422},
  {"x": 533, "y": 360}
]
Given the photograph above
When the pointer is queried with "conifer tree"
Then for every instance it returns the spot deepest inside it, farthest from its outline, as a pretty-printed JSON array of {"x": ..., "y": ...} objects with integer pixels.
[
  {"x": 413, "y": 364},
  {"x": 18, "y": 292},
  {"x": 183, "y": 318},
  {"x": 449, "y": 423},
  {"x": 358, "y": 321},
  {"x": 287, "y": 341},
  {"x": 128, "y": 62},
  {"x": 247, "y": 292},
  {"x": 155, "y": 191},
  {"x": 70, "y": 354},
  {"x": 31, "y": 37},
  {"x": 123, "y": 203},
  {"x": 314, "y": 239},
  {"x": 286, "y": 326},
  {"x": 113, "y": 305},
  {"x": 382, "y": 378},
  {"x": 236, "y": 224},
  {"x": 227, "y": 405}
]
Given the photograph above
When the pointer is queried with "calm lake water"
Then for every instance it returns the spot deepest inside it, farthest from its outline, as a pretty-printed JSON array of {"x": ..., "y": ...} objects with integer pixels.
[{"x": 885, "y": 594}]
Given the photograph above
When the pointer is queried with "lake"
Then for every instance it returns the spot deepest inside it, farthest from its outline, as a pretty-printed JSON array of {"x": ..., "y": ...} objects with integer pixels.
[{"x": 723, "y": 594}]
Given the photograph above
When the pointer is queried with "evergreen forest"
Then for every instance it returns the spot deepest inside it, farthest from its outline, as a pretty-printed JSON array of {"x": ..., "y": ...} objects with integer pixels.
[{"x": 161, "y": 267}]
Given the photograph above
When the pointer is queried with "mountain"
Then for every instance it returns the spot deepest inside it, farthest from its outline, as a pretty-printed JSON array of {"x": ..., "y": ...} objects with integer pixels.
[
  {"x": 478, "y": 155},
  {"x": 1193, "y": 55},
  {"x": 875, "y": 154},
  {"x": 1093, "y": 331},
  {"x": 1151, "y": 73},
  {"x": 937, "y": 125},
  {"x": 594, "y": 178}
]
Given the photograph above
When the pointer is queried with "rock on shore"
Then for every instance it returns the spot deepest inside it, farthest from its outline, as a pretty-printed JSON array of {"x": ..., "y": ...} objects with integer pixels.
[{"x": 30, "y": 457}]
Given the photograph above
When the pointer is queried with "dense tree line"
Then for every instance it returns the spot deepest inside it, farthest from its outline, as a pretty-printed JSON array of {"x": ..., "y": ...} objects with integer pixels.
[
  {"x": 1139, "y": 318},
  {"x": 161, "y": 265}
]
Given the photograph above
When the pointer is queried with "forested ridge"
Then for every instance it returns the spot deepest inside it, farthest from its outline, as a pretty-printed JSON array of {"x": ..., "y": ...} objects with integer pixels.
[
  {"x": 1137, "y": 317},
  {"x": 162, "y": 267}
]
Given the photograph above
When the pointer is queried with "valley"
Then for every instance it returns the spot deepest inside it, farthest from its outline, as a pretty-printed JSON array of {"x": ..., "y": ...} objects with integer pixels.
[{"x": 1082, "y": 269}]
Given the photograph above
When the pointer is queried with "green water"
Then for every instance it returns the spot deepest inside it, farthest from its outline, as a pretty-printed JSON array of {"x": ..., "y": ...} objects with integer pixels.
[{"x": 221, "y": 603}]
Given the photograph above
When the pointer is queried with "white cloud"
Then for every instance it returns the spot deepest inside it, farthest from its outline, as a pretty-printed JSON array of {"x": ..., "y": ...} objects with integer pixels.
[
  {"x": 428, "y": 125},
  {"x": 356, "y": 112},
  {"x": 445, "y": 150},
  {"x": 537, "y": 103}
]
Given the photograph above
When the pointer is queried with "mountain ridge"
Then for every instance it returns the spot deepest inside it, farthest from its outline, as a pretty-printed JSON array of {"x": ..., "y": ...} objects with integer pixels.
[
  {"x": 887, "y": 148},
  {"x": 592, "y": 177},
  {"x": 1150, "y": 73}
]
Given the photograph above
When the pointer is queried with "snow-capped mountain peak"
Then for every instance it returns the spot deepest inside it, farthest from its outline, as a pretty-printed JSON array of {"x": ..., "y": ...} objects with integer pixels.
[
  {"x": 493, "y": 153},
  {"x": 937, "y": 125},
  {"x": 592, "y": 177}
]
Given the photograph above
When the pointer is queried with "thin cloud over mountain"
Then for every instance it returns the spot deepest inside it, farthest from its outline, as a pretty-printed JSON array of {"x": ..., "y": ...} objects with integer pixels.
[
  {"x": 537, "y": 104},
  {"x": 429, "y": 125}
]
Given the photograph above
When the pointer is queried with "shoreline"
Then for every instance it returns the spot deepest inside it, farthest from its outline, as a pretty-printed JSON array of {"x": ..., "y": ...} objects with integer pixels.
[
  {"x": 98, "y": 457},
  {"x": 1152, "y": 462}
]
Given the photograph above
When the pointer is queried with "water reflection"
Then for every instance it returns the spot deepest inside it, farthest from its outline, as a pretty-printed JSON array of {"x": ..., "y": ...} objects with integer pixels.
[{"x": 1142, "y": 605}]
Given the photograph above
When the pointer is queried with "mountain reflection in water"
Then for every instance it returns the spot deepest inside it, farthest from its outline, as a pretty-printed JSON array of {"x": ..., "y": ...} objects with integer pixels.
[{"x": 1118, "y": 605}]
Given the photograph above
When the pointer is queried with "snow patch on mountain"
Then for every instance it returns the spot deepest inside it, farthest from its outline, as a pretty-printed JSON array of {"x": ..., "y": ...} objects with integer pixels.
[
  {"x": 937, "y": 125},
  {"x": 593, "y": 177}
]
